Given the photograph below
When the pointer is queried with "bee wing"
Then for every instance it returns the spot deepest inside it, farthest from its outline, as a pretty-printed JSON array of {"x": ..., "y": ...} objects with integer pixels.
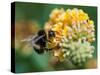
[
  {"x": 28, "y": 39},
  {"x": 32, "y": 40},
  {"x": 35, "y": 40}
]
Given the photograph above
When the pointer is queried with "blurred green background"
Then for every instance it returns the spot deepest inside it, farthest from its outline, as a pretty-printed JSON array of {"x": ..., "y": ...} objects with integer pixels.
[{"x": 37, "y": 14}]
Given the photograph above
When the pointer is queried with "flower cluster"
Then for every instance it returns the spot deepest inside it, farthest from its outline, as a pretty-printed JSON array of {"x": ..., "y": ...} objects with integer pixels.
[{"x": 77, "y": 29}]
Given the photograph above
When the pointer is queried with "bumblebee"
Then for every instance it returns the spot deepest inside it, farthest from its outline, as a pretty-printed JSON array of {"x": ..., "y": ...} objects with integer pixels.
[{"x": 41, "y": 40}]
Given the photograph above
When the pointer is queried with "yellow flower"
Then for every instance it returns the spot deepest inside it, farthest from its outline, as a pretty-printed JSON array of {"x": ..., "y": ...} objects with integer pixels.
[
  {"x": 66, "y": 30},
  {"x": 59, "y": 54},
  {"x": 73, "y": 25},
  {"x": 57, "y": 26},
  {"x": 90, "y": 22},
  {"x": 55, "y": 15}
]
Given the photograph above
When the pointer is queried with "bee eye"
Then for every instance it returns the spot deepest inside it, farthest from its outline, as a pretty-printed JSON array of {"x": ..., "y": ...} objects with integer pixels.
[{"x": 51, "y": 33}]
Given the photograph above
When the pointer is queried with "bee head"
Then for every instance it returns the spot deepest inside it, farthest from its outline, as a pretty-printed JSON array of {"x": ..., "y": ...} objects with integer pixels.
[{"x": 51, "y": 33}]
